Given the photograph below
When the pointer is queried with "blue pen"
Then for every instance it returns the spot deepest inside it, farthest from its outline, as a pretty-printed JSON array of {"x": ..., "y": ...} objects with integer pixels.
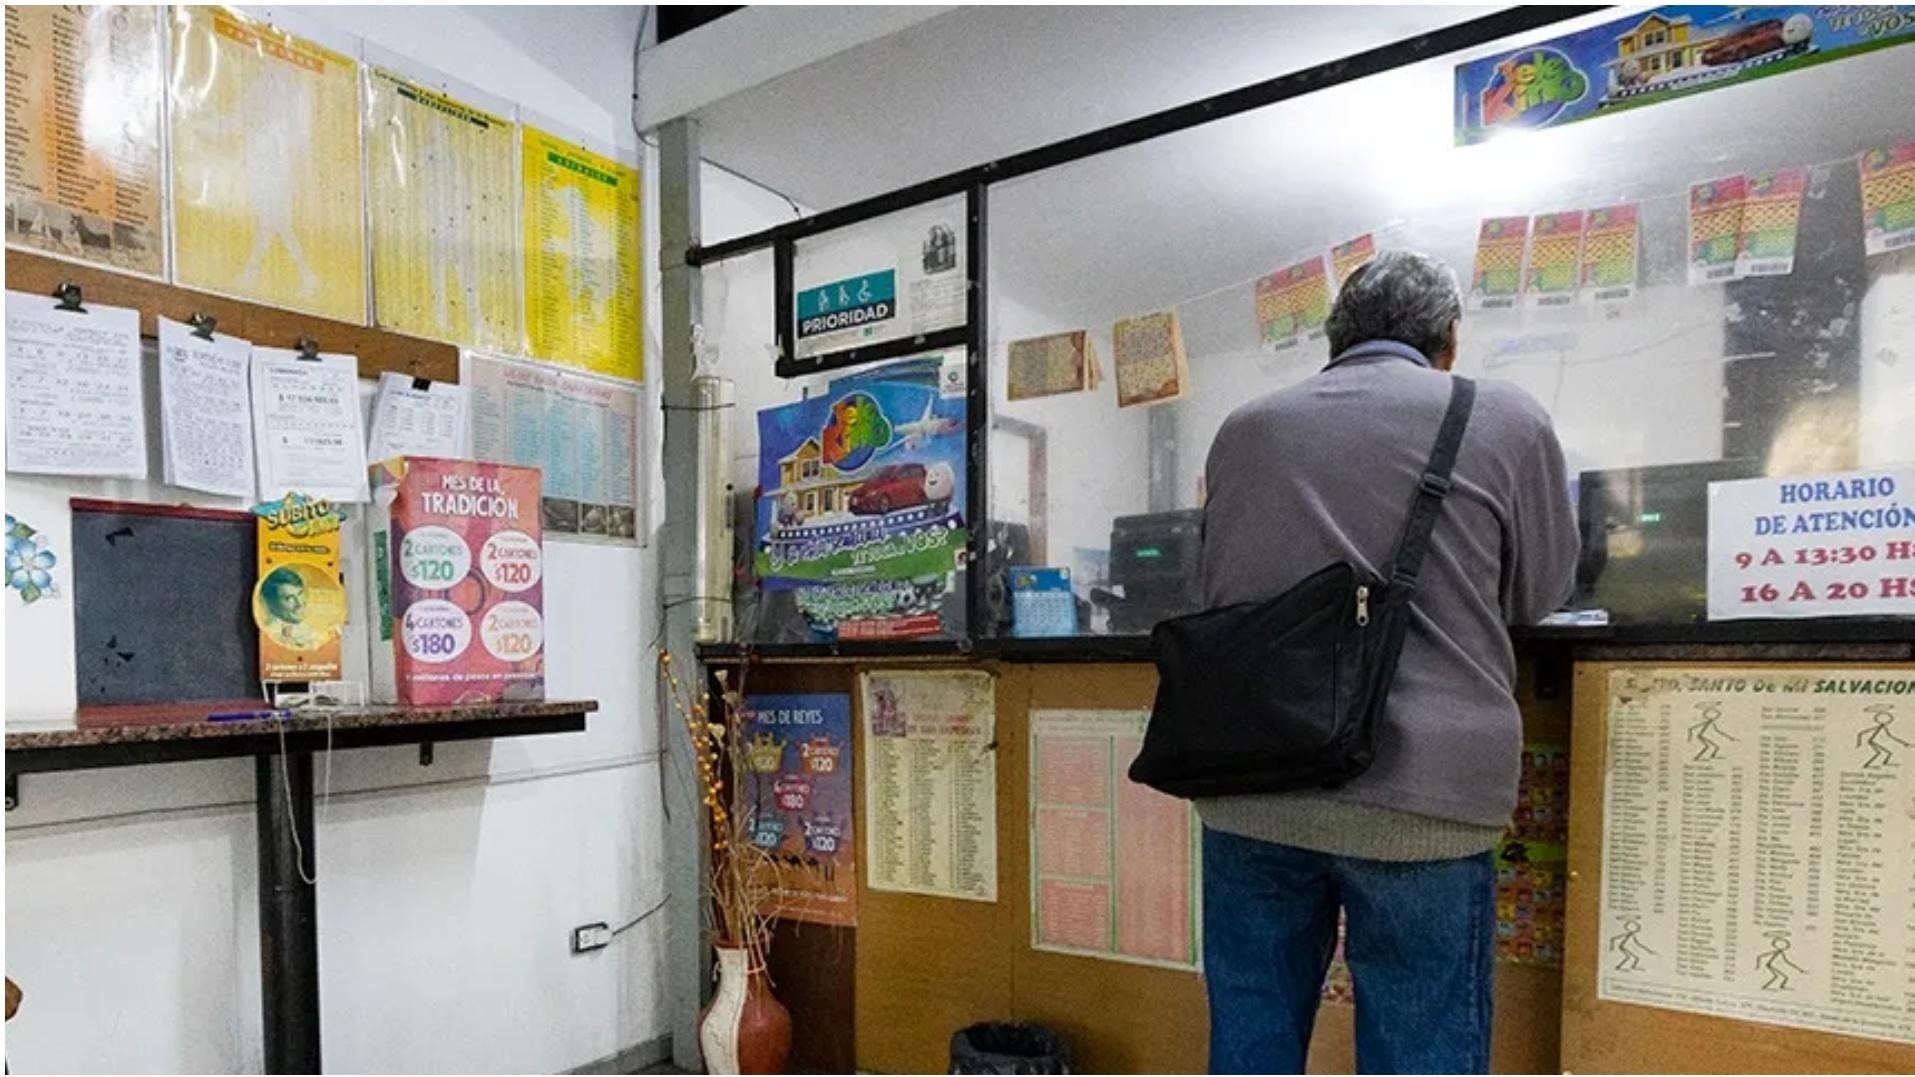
[{"x": 248, "y": 716}]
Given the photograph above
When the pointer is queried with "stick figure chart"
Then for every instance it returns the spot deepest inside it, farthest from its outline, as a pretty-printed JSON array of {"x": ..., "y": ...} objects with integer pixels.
[
  {"x": 1630, "y": 945},
  {"x": 1755, "y": 826},
  {"x": 1776, "y": 960},
  {"x": 1708, "y": 733},
  {"x": 1877, "y": 736}
]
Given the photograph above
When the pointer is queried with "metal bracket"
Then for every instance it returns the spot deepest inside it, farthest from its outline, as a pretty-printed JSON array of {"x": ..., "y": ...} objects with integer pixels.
[
  {"x": 425, "y": 753},
  {"x": 13, "y": 791}
]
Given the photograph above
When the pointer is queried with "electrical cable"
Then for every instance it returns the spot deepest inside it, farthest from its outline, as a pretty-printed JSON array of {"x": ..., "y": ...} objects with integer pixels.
[
  {"x": 325, "y": 799},
  {"x": 642, "y": 917}
]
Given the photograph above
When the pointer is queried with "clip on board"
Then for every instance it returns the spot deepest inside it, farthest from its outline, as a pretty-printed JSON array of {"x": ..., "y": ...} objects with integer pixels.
[
  {"x": 68, "y": 293},
  {"x": 308, "y": 349},
  {"x": 162, "y": 603},
  {"x": 203, "y": 325}
]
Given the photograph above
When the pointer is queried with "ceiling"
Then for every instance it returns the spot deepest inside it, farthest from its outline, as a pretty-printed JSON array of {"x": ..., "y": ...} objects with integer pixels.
[{"x": 980, "y": 83}]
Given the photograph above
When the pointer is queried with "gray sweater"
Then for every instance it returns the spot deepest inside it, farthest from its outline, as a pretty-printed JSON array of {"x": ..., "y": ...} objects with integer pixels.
[{"x": 1323, "y": 471}]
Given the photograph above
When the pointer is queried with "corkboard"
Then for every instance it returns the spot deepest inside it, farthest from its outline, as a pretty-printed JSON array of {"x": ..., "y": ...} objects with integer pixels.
[
  {"x": 1614, "y": 1037},
  {"x": 379, "y": 350}
]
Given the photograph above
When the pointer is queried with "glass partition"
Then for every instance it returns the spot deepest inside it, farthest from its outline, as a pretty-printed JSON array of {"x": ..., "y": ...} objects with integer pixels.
[{"x": 1658, "y": 386}]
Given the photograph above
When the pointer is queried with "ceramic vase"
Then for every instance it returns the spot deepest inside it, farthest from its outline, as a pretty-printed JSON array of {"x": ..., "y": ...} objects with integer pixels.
[{"x": 745, "y": 1029}]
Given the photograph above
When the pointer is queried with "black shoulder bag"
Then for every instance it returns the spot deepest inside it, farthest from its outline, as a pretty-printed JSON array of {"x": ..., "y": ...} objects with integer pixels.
[{"x": 1286, "y": 694}]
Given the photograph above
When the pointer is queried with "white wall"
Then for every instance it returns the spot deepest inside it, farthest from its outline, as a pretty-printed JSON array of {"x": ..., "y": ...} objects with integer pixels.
[{"x": 446, "y": 894}]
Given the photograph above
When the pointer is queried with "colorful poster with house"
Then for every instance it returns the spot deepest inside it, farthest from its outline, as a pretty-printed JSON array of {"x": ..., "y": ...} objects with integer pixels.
[
  {"x": 1715, "y": 228},
  {"x": 798, "y": 805},
  {"x": 1347, "y": 258},
  {"x": 1555, "y": 250},
  {"x": 1668, "y": 52},
  {"x": 1498, "y": 279},
  {"x": 1771, "y": 210},
  {"x": 1888, "y": 197},
  {"x": 1293, "y": 302},
  {"x": 1610, "y": 257},
  {"x": 861, "y": 502}
]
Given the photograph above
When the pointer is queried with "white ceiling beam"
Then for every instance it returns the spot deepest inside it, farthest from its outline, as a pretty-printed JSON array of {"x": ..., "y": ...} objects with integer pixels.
[{"x": 753, "y": 46}]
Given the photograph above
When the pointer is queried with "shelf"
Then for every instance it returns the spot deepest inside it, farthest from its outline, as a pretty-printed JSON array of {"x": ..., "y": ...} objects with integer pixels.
[
  {"x": 171, "y": 733},
  {"x": 379, "y": 350}
]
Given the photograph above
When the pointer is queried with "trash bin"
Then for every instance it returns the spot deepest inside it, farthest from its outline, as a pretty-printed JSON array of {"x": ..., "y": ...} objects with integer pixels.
[{"x": 1002, "y": 1047}]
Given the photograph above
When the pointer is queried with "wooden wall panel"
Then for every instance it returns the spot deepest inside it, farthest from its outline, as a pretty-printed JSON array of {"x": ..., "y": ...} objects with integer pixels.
[
  {"x": 1118, "y": 1017},
  {"x": 379, "y": 350},
  {"x": 925, "y": 967},
  {"x": 920, "y": 968},
  {"x": 1614, "y": 1037}
]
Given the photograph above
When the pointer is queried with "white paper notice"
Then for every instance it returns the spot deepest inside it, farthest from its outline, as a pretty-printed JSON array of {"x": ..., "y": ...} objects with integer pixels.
[
  {"x": 306, "y": 425},
  {"x": 415, "y": 417},
  {"x": 1813, "y": 545},
  {"x": 1758, "y": 855},
  {"x": 930, "y": 783},
  {"x": 206, "y": 430},
  {"x": 73, "y": 390}
]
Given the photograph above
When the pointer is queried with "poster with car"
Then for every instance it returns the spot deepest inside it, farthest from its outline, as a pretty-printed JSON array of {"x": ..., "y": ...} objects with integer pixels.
[
  {"x": 861, "y": 500},
  {"x": 1666, "y": 52}
]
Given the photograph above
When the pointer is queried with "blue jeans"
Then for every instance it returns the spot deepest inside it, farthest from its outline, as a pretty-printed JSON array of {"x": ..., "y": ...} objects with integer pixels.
[{"x": 1420, "y": 943}]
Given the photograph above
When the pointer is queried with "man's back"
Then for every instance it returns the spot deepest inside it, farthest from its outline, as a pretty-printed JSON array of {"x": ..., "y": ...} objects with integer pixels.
[{"x": 1323, "y": 471}]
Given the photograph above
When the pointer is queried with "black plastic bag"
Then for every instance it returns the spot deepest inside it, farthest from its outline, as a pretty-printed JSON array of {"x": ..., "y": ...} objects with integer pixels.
[{"x": 999, "y": 1047}]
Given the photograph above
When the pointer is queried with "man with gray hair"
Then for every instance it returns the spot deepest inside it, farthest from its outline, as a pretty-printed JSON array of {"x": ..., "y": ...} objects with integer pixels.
[{"x": 1320, "y": 472}]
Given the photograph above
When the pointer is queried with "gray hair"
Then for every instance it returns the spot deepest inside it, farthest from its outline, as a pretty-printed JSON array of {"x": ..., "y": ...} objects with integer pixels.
[{"x": 1402, "y": 296}]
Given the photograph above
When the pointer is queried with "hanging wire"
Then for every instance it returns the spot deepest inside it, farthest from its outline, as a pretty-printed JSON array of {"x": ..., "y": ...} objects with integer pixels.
[{"x": 325, "y": 799}]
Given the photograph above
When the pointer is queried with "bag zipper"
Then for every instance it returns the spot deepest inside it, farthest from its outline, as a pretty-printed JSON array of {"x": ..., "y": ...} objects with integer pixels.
[{"x": 1362, "y": 606}]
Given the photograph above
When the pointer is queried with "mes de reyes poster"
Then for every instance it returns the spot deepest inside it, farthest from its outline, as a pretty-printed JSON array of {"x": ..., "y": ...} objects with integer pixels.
[{"x": 861, "y": 499}]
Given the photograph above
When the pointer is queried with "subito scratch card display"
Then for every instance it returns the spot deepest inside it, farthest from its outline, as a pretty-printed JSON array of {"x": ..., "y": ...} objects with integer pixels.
[
  {"x": 299, "y": 602},
  {"x": 457, "y": 582}
]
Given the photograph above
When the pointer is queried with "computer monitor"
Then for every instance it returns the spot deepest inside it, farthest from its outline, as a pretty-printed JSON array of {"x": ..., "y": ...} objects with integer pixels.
[{"x": 1645, "y": 539}]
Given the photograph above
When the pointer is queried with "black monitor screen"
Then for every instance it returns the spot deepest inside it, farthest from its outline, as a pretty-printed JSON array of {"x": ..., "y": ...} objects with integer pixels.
[{"x": 1645, "y": 539}]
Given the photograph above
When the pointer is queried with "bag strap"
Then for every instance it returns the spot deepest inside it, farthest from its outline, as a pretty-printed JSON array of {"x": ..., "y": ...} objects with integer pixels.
[{"x": 1433, "y": 487}]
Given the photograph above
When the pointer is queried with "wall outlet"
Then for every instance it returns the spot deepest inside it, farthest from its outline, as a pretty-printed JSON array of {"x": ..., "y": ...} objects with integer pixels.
[{"x": 589, "y": 937}]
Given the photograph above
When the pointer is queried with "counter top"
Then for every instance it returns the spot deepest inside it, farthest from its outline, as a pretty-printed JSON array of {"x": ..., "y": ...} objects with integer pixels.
[
  {"x": 116, "y": 736},
  {"x": 1882, "y": 637}
]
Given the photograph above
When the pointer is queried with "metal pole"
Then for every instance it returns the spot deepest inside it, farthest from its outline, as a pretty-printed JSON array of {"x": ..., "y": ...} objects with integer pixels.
[
  {"x": 687, "y": 958},
  {"x": 977, "y": 412},
  {"x": 288, "y": 913},
  {"x": 1162, "y": 456}
]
